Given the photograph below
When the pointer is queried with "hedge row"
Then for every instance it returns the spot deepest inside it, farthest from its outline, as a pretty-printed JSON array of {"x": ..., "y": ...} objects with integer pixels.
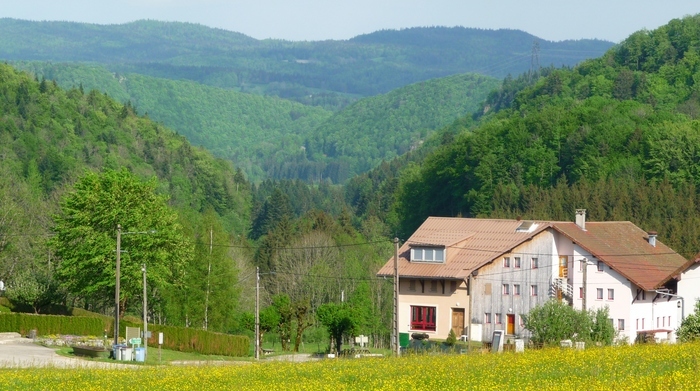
[
  {"x": 176, "y": 338},
  {"x": 187, "y": 339},
  {"x": 50, "y": 324}
]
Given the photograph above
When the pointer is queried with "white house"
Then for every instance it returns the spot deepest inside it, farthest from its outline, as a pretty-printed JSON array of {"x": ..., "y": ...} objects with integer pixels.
[{"x": 494, "y": 271}]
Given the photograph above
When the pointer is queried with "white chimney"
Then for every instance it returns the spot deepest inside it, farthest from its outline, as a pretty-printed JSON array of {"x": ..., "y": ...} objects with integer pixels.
[
  {"x": 652, "y": 238},
  {"x": 581, "y": 218}
]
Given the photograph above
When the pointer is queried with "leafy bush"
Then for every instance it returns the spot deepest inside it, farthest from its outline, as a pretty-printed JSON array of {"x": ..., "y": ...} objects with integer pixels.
[
  {"x": 451, "y": 338},
  {"x": 555, "y": 321},
  {"x": 690, "y": 327}
]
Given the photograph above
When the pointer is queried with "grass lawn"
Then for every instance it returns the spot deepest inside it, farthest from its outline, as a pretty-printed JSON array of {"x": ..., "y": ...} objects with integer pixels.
[{"x": 153, "y": 358}]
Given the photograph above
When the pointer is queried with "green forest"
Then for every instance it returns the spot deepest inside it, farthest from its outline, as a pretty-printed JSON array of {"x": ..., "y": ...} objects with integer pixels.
[
  {"x": 270, "y": 137},
  {"x": 616, "y": 135}
]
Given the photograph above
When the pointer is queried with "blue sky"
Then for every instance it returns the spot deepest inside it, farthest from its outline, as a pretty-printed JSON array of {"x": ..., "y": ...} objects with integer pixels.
[{"x": 611, "y": 20}]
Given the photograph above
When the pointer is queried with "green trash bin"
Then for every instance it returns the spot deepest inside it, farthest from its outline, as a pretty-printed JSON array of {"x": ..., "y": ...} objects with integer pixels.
[{"x": 404, "y": 340}]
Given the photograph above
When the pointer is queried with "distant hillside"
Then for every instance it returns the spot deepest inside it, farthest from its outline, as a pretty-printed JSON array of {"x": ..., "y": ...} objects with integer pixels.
[
  {"x": 328, "y": 70},
  {"x": 272, "y": 137},
  {"x": 250, "y": 130},
  {"x": 617, "y": 135},
  {"x": 385, "y": 126}
]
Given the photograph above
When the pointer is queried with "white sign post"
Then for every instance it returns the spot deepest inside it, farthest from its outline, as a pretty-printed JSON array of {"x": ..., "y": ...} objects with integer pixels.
[{"x": 160, "y": 342}]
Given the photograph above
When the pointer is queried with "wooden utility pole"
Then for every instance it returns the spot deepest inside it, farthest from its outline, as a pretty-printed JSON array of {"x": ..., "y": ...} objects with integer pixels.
[
  {"x": 145, "y": 314},
  {"x": 257, "y": 313},
  {"x": 585, "y": 282},
  {"x": 397, "y": 346},
  {"x": 206, "y": 299},
  {"x": 469, "y": 313},
  {"x": 116, "y": 287}
]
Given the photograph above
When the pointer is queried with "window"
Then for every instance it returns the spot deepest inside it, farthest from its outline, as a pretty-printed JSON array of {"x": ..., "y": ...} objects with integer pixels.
[
  {"x": 428, "y": 254},
  {"x": 487, "y": 318},
  {"x": 642, "y": 323},
  {"x": 433, "y": 285},
  {"x": 658, "y": 322},
  {"x": 534, "y": 263},
  {"x": 637, "y": 323},
  {"x": 422, "y": 318},
  {"x": 516, "y": 260},
  {"x": 498, "y": 319},
  {"x": 669, "y": 320},
  {"x": 620, "y": 324},
  {"x": 581, "y": 265},
  {"x": 599, "y": 293},
  {"x": 611, "y": 294},
  {"x": 580, "y": 293},
  {"x": 516, "y": 289},
  {"x": 533, "y": 290},
  {"x": 506, "y": 289},
  {"x": 600, "y": 266},
  {"x": 506, "y": 261}
]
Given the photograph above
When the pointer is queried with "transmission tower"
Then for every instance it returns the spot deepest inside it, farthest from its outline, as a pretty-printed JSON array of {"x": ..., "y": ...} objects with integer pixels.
[{"x": 534, "y": 60}]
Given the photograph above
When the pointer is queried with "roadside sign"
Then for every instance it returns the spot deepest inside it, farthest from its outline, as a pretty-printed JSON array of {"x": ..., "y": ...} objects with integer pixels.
[{"x": 135, "y": 341}]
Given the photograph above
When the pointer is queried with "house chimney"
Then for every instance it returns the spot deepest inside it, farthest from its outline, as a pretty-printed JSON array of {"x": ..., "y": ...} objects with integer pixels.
[
  {"x": 581, "y": 218},
  {"x": 652, "y": 238}
]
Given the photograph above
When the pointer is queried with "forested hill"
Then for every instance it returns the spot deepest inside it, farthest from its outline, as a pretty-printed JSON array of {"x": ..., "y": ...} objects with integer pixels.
[
  {"x": 269, "y": 137},
  {"x": 379, "y": 128},
  {"x": 366, "y": 65},
  {"x": 617, "y": 135},
  {"x": 50, "y": 136}
]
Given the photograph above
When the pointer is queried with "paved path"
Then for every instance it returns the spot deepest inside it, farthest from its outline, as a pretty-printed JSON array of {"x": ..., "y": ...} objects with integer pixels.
[{"x": 22, "y": 353}]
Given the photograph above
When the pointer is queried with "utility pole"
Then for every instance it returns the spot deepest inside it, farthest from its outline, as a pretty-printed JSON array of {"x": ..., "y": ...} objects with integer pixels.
[
  {"x": 397, "y": 346},
  {"x": 145, "y": 314},
  {"x": 257, "y": 313},
  {"x": 585, "y": 282},
  {"x": 206, "y": 299},
  {"x": 116, "y": 287},
  {"x": 469, "y": 313}
]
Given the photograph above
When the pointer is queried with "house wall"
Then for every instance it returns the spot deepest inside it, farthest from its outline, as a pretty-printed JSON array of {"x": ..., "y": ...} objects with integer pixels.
[
  {"x": 422, "y": 295},
  {"x": 689, "y": 288},
  {"x": 640, "y": 310},
  {"x": 492, "y": 277}
]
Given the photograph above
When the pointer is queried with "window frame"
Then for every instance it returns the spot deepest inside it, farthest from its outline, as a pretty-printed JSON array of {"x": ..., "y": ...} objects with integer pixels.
[
  {"x": 487, "y": 318},
  {"x": 506, "y": 261},
  {"x": 516, "y": 289},
  {"x": 620, "y": 324},
  {"x": 601, "y": 266},
  {"x": 423, "y": 318},
  {"x": 506, "y": 289},
  {"x": 423, "y": 252},
  {"x": 499, "y": 318},
  {"x": 516, "y": 262},
  {"x": 534, "y": 263},
  {"x": 611, "y": 294},
  {"x": 599, "y": 294},
  {"x": 533, "y": 290}
]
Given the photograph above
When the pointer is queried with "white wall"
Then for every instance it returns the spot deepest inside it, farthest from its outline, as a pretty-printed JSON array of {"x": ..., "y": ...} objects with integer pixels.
[{"x": 689, "y": 288}]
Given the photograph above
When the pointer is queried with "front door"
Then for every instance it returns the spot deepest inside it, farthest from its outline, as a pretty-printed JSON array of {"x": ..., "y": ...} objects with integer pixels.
[
  {"x": 563, "y": 266},
  {"x": 458, "y": 321},
  {"x": 511, "y": 324}
]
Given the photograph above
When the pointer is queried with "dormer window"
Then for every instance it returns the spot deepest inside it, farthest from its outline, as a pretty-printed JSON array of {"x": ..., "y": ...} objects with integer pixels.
[{"x": 428, "y": 254}]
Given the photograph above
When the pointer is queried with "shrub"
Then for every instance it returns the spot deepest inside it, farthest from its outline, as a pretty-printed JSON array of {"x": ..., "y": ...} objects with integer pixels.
[{"x": 451, "y": 338}]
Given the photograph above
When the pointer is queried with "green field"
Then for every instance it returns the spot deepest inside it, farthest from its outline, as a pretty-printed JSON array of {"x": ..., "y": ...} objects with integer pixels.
[{"x": 646, "y": 367}]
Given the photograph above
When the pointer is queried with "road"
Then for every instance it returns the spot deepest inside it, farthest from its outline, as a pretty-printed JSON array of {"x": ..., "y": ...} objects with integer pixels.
[{"x": 24, "y": 354}]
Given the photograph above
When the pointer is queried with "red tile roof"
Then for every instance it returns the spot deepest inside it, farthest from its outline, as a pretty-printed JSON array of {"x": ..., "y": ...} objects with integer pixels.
[
  {"x": 625, "y": 248},
  {"x": 473, "y": 243},
  {"x": 469, "y": 244}
]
